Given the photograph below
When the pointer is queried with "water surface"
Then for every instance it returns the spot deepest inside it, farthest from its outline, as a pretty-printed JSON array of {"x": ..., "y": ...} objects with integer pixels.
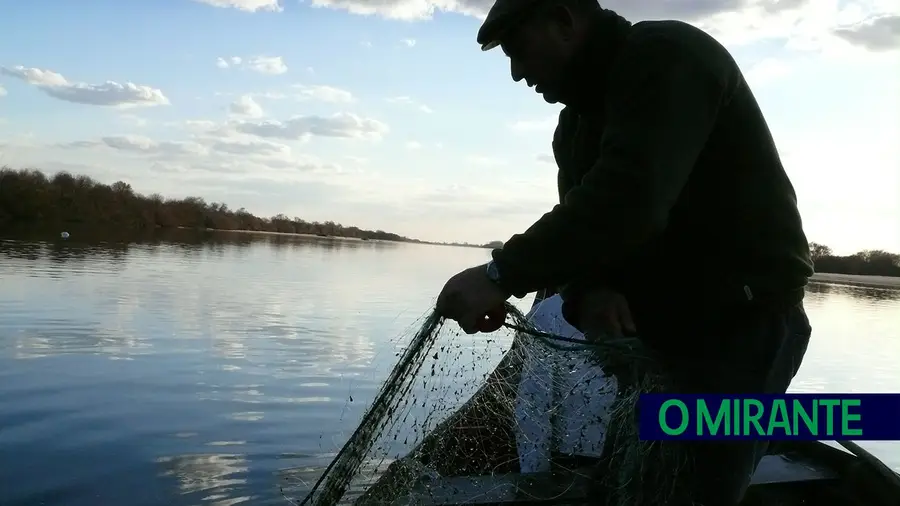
[{"x": 207, "y": 371}]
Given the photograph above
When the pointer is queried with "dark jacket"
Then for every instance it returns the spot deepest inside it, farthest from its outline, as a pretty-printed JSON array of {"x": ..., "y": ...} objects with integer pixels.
[{"x": 671, "y": 187}]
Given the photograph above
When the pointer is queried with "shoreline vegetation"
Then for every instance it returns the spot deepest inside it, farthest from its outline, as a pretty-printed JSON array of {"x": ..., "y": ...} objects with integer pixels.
[{"x": 31, "y": 198}]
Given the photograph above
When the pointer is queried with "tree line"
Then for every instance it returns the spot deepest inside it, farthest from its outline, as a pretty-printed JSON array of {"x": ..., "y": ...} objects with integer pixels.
[
  {"x": 862, "y": 263},
  {"x": 30, "y": 197}
]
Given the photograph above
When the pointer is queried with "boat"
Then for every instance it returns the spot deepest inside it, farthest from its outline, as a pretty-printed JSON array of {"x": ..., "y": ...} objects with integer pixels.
[{"x": 440, "y": 472}]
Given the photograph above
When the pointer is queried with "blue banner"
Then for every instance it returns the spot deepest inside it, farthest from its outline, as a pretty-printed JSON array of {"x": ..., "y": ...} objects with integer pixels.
[{"x": 860, "y": 417}]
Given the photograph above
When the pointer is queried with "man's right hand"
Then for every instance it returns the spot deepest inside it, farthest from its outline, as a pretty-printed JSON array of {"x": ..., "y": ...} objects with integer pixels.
[{"x": 605, "y": 311}]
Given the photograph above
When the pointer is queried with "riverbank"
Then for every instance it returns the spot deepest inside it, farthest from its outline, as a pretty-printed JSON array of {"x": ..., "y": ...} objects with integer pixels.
[
  {"x": 291, "y": 234},
  {"x": 888, "y": 282},
  {"x": 342, "y": 237}
]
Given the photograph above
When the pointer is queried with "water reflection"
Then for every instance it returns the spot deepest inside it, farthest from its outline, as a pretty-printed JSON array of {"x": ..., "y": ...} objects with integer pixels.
[
  {"x": 213, "y": 478},
  {"x": 188, "y": 285},
  {"x": 268, "y": 345},
  {"x": 862, "y": 292},
  {"x": 71, "y": 338},
  {"x": 92, "y": 246}
]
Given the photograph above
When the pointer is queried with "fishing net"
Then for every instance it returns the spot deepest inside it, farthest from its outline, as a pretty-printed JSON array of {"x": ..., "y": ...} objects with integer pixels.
[{"x": 531, "y": 397}]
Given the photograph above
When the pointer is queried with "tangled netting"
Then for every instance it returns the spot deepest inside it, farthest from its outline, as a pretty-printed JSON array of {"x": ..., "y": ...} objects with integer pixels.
[{"x": 447, "y": 410}]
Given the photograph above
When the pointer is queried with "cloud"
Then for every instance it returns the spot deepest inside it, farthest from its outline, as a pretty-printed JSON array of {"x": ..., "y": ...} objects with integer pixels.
[
  {"x": 407, "y": 101},
  {"x": 222, "y": 63},
  {"x": 880, "y": 33},
  {"x": 141, "y": 145},
  {"x": 2, "y": 91},
  {"x": 200, "y": 125},
  {"x": 267, "y": 65},
  {"x": 684, "y": 9},
  {"x": 342, "y": 125},
  {"x": 271, "y": 65},
  {"x": 545, "y": 158},
  {"x": 413, "y": 145},
  {"x": 324, "y": 93},
  {"x": 221, "y": 155},
  {"x": 250, "y": 148},
  {"x": 734, "y": 22},
  {"x": 246, "y": 5},
  {"x": 409, "y": 42},
  {"x": 110, "y": 93},
  {"x": 246, "y": 106},
  {"x": 407, "y": 10}
]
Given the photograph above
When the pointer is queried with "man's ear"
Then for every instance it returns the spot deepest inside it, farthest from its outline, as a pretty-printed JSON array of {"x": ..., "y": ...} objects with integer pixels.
[{"x": 562, "y": 20}]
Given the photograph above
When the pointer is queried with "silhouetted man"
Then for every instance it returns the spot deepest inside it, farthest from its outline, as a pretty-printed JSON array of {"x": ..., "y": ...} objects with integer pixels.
[{"x": 674, "y": 210}]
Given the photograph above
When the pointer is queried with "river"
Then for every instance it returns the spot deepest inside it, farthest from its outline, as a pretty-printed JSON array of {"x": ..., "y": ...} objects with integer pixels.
[{"x": 213, "y": 370}]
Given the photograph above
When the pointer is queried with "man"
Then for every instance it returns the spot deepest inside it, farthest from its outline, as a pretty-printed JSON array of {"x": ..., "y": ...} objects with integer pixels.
[{"x": 676, "y": 218}]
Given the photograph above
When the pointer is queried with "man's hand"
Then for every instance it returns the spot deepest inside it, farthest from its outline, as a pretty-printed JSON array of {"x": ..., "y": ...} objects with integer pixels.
[
  {"x": 604, "y": 310},
  {"x": 474, "y": 301}
]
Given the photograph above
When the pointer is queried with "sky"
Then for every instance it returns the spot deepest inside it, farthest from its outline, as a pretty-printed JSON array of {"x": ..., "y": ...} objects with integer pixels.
[{"x": 385, "y": 114}]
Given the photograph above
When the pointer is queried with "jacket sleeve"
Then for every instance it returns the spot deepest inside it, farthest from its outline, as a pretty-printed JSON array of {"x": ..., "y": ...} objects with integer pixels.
[{"x": 660, "y": 108}]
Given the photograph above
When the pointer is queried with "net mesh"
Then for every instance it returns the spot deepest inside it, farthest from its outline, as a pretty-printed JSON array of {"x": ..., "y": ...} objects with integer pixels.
[{"x": 552, "y": 401}]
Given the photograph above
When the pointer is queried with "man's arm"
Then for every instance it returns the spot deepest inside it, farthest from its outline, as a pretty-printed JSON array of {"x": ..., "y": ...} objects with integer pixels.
[{"x": 660, "y": 108}]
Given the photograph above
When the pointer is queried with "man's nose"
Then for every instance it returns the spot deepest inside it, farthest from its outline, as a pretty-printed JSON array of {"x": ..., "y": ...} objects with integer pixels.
[{"x": 515, "y": 69}]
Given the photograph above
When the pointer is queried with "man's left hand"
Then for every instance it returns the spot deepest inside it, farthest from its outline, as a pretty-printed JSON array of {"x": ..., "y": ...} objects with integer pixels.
[{"x": 474, "y": 301}]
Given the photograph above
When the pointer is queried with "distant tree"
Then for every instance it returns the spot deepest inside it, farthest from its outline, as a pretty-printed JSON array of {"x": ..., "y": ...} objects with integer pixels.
[
  {"x": 866, "y": 263},
  {"x": 817, "y": 251},
  {"x": 30, "y": 197}
]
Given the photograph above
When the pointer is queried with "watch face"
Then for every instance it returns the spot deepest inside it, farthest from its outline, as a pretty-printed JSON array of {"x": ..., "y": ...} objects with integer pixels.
[{"x": 492, "y": 271}]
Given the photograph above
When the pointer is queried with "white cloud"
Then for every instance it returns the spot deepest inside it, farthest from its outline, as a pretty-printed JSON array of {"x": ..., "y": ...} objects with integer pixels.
[
  {"x": 143, "y": 145},
  {"x": 37, "y": 77},
  {"x": 261, "y": 148},
  {"x": 409, "y": 42},
  {"x": 260, "y": 158},
  {"x": 222, "y": 63},
  {"x": 246, "y": 5},
  {"x": 2, "y": 91},
  {"x": 545, "y": 158},
  {"x": 413, "y": 145},
  {"x": 246, "y": 106},
  {"x": 732, "y": 21},
  {"x": 342, "y": 125},
  {"x": 199, "y": 125},
  {"x": 881, "y": 33},
  {"x": 110, "y": 93},
  {"x": 271, "y": 65},
  {"x": 407, "y": 101},
  {"x": 407, "y": 9},
  {"x": 267, "y": 65},
  {"x": 685, "y": 9},
  {"x": 324, "y": 93}
]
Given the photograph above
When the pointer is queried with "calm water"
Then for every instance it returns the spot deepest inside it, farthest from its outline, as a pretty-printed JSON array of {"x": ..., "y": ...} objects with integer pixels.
[{"x": 205, "y": 373}]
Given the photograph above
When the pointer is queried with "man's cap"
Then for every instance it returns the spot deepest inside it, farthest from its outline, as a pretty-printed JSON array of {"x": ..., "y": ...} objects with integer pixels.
[{"x": 503, "y": 15}]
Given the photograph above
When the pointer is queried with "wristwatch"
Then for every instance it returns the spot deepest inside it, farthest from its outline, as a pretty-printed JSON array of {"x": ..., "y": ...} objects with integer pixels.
[{"x": 492, "y": 272}]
